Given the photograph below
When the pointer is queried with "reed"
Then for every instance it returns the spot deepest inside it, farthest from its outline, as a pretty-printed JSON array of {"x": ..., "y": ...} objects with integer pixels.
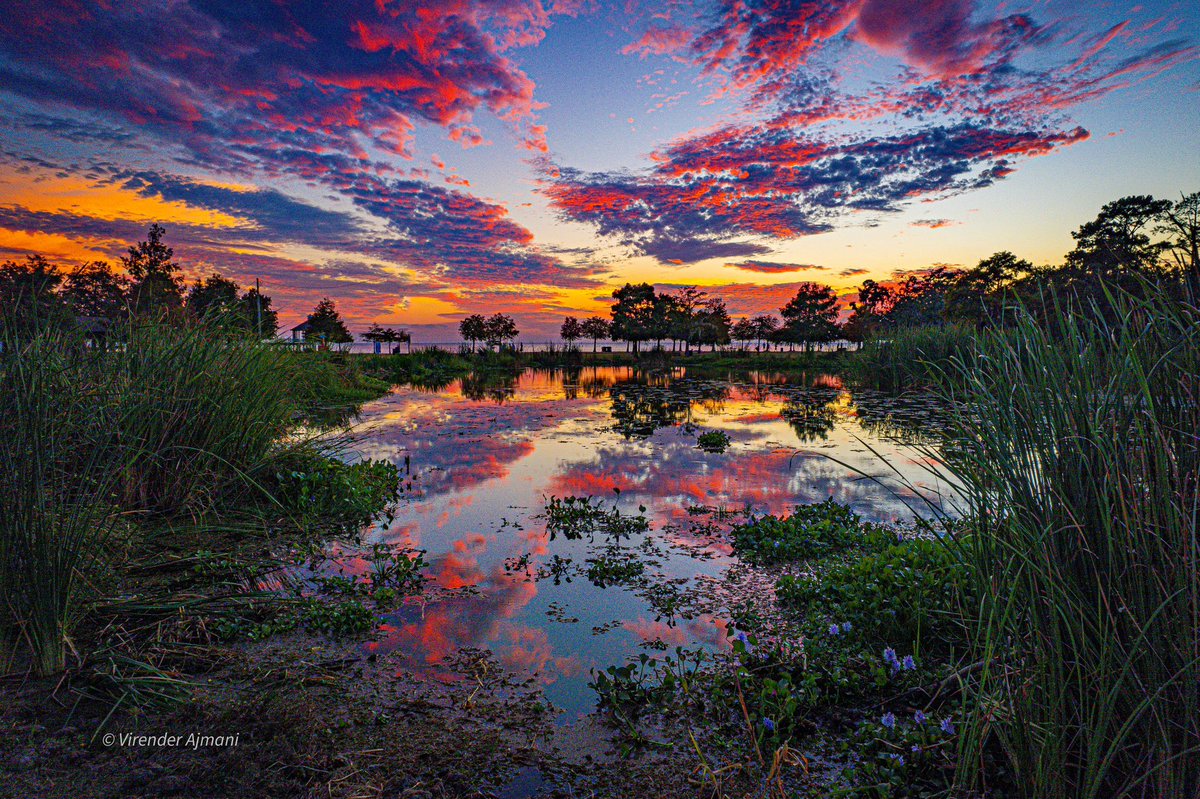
[
  {"x": 1078, "y": 453},
  {"x": 908, "y": 357},
  {"x": 57, "y": 487},
  {"x": 175, "y": 422}
]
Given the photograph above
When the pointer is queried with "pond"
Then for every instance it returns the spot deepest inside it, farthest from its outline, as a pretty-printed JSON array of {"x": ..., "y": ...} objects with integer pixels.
[{"x": 485, "y": 456}]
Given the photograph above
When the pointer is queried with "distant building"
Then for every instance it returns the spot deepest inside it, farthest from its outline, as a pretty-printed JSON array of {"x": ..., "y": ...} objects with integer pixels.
[{"x": 299, "y": 331}]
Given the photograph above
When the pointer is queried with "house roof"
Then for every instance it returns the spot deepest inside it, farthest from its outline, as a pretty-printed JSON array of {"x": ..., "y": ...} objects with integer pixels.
[{"x": 303, "y": 326}]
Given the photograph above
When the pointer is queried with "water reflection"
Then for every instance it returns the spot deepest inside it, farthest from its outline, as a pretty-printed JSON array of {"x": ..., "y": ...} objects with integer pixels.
[{"x": 487, "y": 452}]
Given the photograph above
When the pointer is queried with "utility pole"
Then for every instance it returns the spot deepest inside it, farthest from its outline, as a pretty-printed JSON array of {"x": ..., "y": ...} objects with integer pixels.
[{"x": 258, "y": 308}]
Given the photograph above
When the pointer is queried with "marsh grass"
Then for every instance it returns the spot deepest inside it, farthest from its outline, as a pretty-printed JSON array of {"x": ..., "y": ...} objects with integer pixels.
[
  {"x": 1077, "y": 452},
  {"x": 107, "y": 455},
  {"x": 57, "y": 493},
  {"x": 908, "y": 357}
]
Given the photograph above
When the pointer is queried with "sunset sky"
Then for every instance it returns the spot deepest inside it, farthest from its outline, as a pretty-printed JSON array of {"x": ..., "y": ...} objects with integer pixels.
[{"x": 420, "y": 161}]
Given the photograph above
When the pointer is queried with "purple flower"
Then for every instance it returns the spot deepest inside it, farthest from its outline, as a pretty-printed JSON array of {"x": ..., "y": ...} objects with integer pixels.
[
  {"x": 741, "y": 636},
  {"x": 916, "y": 748},
  {"x": 833, "y": 629},
  {"x": 909, "y": 663},
  {"x": 770, "y": 725},
  {"x": 888, "y": 720},
  {"x": 919, "y": 717},
  {"x": 846, "y": 627},
  {"x": 947, "y": 726},
  {"x": 889, "y": 657},
  {"x": 898, "y": 758}
]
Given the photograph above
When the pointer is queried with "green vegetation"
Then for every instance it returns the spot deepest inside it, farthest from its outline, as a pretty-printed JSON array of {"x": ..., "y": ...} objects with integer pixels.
[
  {"x": 123, "y": 468},
  {"x": 713, "y": 441},
  {"x": 811, "y": 531},
  {"x": 912, "y": 356},
  {"x": 1079, "y": 455}
]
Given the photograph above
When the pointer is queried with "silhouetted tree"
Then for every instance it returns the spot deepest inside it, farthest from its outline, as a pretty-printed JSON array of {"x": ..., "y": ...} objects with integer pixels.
[
  {"x": 29, "y": 299},
  {"x": 711, "y": 323},
  {"x": 1181, "y": 224},
  {"x": 595, "y": 328},
  {"x": 157, "y": 285},
  {"x": 215, "y": 298},
  {"x": 766, "y": 327},
  {"x": 633, "y": 313},
  {"x": 743, "y": 330},
  {"x": 498, "y": 329},
  {"x": 94, "y": 289},
  {"x": 473, "y": 328},
  {"x": 260, "y": 317},
  {"x": 811, "y": 315},
  {"x": 571, "y": 330},
  {"x": 981, "y": 295},
  {"x": 387, "y": 335},
  {"x": 325, "y": 324}
]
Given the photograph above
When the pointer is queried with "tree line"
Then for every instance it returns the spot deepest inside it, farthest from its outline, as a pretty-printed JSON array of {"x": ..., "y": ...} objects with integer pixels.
[
  {"x": 1132, "y": 241},
  {"x": 37, "y": 292}
]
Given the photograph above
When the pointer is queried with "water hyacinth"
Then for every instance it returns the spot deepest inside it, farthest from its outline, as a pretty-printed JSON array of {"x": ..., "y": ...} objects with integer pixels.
[
  {"x": 909, "y": 663},
  {"x": 889, "y": 720},
  {"x": 947, "y": 726},
  {"x": 919, "y": 717},
  {"x": 834, "y": 629},
  {"x": 889, "y": 657},
  {"x": 769, "y": 724},
  {"x": 847, "y": 627}
]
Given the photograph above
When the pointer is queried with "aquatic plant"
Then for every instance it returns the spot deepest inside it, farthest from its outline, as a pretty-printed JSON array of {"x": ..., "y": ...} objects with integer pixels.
[
  {"x": 713, "y": 441},
  {"x": 913, "y": 356},
  {"x": 918, "y": 590},
  {"x": 810, "y": 531},
  {"x": 1080, "y": 458}
]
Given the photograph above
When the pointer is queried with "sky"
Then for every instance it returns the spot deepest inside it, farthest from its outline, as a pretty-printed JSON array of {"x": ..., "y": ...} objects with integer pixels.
[{"x": 417, "y": 162}]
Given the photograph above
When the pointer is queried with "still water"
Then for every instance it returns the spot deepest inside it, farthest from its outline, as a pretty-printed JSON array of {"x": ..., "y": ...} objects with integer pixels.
[{"x": 487, "y": 454}]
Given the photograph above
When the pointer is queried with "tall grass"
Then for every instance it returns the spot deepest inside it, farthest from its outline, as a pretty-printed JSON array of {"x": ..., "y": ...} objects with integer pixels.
[
  {"x": 175, "y": 422},
  {"x": 915, "y": 356},
  {"x": 57, "y": 486},
  {"x": 1079, "y": 456},
  {"x": 196, "y": 414}
]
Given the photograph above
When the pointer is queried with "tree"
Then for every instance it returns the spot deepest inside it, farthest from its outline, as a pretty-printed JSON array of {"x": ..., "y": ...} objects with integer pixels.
[
  {"x": 260, "y": 317},
  {"x": 325, "y": 324},
  {"x": 766, "y": 327},
  {"x": 387, "y": 335},
  {"x": 571, "y": 330},
  {"x": 811, "y": 314},
  {"x": 1117, "y": 239},
  {"x": 473, "y": 329},
  {"x": 498, "y": 329},
  {"x": 214, "y": 298},
  {"x": 980, "y": 296},
  {"x": 711, "y": 324},
  {"x": 157, "y": 283},
  {"x": 920, "y": 300},
  {"x": 29, "y": 297},
  {"x": 94, "y": 289},
  {"x": 1181, "y": 224},
  {"x": 743, "y": 330},
  {"x": 681, "y": 312},
  {"x": 633, "y": 313},
  {"x": 595, "y": 328}
]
